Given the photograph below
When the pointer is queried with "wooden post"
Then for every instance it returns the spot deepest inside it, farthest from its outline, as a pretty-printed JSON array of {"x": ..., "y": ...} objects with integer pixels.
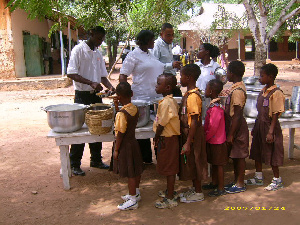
[
  {"x": 296, "y": 49},
  {"x": 70, "y": 38},
  {"x": 61, "y": 51}
]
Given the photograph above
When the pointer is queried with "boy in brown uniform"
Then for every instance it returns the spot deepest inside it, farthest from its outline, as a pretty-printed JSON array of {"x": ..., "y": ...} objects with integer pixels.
[
  {"x": 167, "y": 130},
  {"x": 193, "y": 160},
  {"x": 236, "y": 126},
  {"x": 267, "y": 142}
]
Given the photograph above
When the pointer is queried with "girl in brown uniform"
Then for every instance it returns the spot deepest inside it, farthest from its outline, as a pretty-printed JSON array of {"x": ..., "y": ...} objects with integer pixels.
[
  {"x": 267, "y": 142},
  {"x": 127, "y": 157},
  {"x": 236, "y": 126},
  {"x": 193, "y": 160}
]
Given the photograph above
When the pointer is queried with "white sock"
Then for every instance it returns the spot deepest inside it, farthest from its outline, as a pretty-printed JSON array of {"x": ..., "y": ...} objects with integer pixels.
[
  {"x": 259, "y": 175},
  {"x": 133, "y": 198},
  {"x": 277, "y": 179},
  {"x": 137, "y": 191}
]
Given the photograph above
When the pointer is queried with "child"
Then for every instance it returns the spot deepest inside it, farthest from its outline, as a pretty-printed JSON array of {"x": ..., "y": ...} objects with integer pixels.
[
  {"x": 127, "y": 156},
  {"x": 236, "y": 126},
  {"x": 216, "y": 148},
  {"x": 193, "y": 160},
  {"x": 167, "y": 130},
  {"x": 267, "y": 142}
]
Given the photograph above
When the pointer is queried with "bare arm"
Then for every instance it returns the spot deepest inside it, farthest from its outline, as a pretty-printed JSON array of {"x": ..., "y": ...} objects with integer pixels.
[
  {"x": 236, "y": 120},
  {"x": 80, "y": 79},
  {"x": 159, "y": 131},
  {"x": 119, "y": 140},
  {"x": 186, "y": 149},
  {"x": 107, "y": 84},
  {"x": 270, "y": 135}
]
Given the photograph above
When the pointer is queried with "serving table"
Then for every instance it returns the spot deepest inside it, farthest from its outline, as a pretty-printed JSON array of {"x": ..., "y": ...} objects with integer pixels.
[{"x": 63, "y": 140}]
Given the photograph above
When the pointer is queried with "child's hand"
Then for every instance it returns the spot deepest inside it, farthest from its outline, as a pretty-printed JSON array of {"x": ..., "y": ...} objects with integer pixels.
[
  {"x": 186, "y": 149},
  {"x": 270, "y": 138},
  {"x": 116, "y": 155},
  {"x": 229, "y": 139}
]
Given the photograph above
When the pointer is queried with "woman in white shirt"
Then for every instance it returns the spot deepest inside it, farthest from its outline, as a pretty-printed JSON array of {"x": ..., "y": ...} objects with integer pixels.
[
  {"x": 207, "y": 52},
  {"x": 145, "y": 69}
]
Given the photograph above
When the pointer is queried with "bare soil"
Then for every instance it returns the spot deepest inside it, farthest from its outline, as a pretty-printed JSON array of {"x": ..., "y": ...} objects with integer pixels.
[{"x": 31, "y": 190}]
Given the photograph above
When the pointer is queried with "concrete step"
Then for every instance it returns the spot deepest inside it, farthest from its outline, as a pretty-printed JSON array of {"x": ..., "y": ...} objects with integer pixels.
[{"x": 35, "y": 83}]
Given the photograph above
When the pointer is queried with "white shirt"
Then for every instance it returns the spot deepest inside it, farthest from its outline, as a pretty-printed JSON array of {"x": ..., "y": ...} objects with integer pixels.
[
  {"x": 87, "y": 63},
  {"x": 163, "y": 52},
  {"x": 145, "y": 69},
  {"x": 207, "y": 73}
]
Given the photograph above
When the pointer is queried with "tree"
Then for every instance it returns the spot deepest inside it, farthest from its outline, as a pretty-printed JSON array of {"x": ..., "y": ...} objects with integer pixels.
[
  {"x": 121, "y": 18},
  {"x": 268, "y": 19}
]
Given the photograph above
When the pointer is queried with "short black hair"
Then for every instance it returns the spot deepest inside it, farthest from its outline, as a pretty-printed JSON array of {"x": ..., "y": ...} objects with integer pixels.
[
  {"x": 98, "y": 29},
  {"x": 169, "y": 78},
  {"x": 216, "y": 85},
  {"x": 237, "y": 68},
  {"x": 270, "y": 69},
  {"x": 124, "y": 89},
  {"x": 166, "y": 26},
  {"x": 213, "y": 50},
  {"x": 192, "y": 70},
  {"x": 143, "y": 37}
]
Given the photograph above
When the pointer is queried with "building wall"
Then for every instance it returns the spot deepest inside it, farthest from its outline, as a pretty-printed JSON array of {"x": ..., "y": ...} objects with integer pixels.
[
  {"x": 7, "y": 67},
  {"x": 21, "y": 23}
]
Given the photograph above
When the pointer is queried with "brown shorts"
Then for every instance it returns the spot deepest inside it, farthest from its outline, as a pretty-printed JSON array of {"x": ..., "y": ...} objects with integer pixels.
[
  {"x": 217, "y": 154},
  {"x": 168, "y": 156}
]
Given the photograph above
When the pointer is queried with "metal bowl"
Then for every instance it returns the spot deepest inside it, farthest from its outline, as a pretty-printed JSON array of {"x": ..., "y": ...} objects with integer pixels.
[
  {"x": 65, "y": 118},
  {"x": 287, "y": 114},
  {"x": 250, "y": 80}
]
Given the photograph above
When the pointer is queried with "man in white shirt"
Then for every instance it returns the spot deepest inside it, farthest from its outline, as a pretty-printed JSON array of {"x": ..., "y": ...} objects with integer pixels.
[
  {"x": 87, "y": 70},
  {"x": 163, "y": 49}
]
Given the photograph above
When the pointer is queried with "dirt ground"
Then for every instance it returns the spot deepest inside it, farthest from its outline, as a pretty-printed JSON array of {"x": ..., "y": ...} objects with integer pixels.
[{"x": 31, "y": 190}]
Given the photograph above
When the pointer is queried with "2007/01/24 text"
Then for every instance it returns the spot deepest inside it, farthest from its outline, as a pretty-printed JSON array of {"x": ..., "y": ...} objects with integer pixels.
[{"x": 230, "y": 208}]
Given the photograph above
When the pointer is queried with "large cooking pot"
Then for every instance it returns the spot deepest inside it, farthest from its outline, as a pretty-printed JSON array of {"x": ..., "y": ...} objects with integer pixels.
[
  {"x": 144, "y": 112},
  {"x": 64, "y": 118},
  {"x": 250, "y": 80},
  {"x": 250, "y": 106}
]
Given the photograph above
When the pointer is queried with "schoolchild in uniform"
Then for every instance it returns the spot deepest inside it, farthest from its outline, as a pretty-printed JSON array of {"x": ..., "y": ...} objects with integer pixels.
[
  {"x": 215, "y": 134},
  {"x": 127, "y": 157},
  {"x": 193, "y": 159},
  {"x": 236, "y": 126},
  {"x": 167, "y": 130},
  {"x": 267, "y": 142}
]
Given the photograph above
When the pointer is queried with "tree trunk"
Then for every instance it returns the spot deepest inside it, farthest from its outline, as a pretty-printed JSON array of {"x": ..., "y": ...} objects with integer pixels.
[
  {"x": 109, "y": 53},
  {"x": 260, "y": 57}
]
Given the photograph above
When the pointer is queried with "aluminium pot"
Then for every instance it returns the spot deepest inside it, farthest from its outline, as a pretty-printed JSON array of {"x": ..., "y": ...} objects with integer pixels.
[
  {"x": 144, "y": 112},
  {"x": 65, "y": 118},
  {"x": 250, "y": 109}
]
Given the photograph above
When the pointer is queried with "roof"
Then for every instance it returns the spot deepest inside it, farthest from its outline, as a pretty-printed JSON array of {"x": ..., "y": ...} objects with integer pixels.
[{"x": 206, "y": 18}]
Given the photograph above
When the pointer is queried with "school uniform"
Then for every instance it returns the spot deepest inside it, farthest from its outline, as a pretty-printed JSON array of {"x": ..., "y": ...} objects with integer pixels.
[
  {"x": 168, "y": 143},
  {"x": 269, "y": 102},
  {"x": 237, "y": 97},
  {"x": 129, "y": 162},
  {"x": 196, "y": 162},
  {"x": 215, "y": 134}
]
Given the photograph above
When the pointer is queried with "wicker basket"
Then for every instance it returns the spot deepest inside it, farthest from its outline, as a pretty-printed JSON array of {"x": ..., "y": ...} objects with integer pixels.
[{"x": 99, "y": 118}]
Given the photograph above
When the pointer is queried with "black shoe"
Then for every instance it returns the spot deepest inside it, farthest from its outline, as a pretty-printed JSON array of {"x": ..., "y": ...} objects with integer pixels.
[
  {"x": 209, "y": 186},
  {"x": 216, "y": 193},
  {"x": 77, "y": 171},
  {"x": 99, "y": 165}
]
